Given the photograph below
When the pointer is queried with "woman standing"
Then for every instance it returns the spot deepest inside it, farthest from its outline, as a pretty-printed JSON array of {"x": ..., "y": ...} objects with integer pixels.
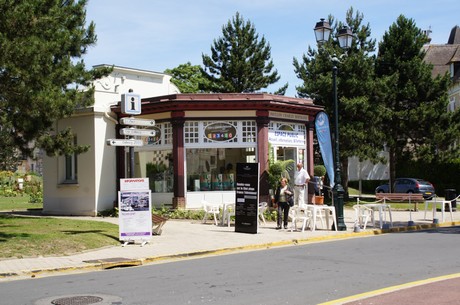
[{"x": 282, "y": 195}]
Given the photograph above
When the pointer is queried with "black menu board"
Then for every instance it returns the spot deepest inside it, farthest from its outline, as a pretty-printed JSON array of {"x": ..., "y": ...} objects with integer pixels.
[{"x": 247, "y": 197}]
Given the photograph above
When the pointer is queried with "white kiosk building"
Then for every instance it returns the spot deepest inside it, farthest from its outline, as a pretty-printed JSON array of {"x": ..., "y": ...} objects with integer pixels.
[
  {"x": 85, "y": 184},
  {"x": 199, "y": 140}
]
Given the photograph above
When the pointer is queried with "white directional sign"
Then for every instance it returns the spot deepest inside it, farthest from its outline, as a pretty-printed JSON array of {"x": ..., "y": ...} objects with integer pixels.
[
  {"x": 137, "y": 122},
  {"x": 137, "y": 132},
  {"x": 124, "y": 142}
]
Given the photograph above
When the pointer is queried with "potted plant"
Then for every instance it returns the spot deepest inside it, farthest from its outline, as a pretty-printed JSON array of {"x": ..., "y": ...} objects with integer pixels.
[
  {"x": 319, "y": 172},
  {"x": 155, "y": 173}
]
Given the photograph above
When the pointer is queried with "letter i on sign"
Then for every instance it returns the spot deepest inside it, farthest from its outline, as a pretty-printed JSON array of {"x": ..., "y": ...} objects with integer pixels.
[
  {"x": 130, "y": 103},
  {"x": 133, "y": 103}
]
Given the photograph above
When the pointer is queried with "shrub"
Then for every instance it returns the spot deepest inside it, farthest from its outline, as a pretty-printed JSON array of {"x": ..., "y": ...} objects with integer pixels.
[
  {"x": 319, "y": 170},
  {"x": 108, "y": 213},
  {"x": 279, "y": 169},
  {"x": 9, "y": 186}
]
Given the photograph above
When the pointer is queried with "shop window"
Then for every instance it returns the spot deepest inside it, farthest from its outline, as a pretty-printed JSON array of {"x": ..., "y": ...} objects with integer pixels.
[
  {"x": 249, "y": 129},
  {"x": 168, "y": 133},
  {"x": 158, "y": 167},
  {"x": 213, "y": 169},
  {"x": 286, "y": 153},
  {"x": 301, "y": 128},
  {"x": 287, "y": 141},
  {"x": 191, "y": 132}
]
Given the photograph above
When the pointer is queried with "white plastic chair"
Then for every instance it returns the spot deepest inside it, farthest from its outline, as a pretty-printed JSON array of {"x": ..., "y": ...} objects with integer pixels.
[
  {"x": 362, "y": 215},
  {"x": 263, "y": 206},
  {"x": 229, "y": 211},
  {"x": 296, "y": 214},
  {"x": 210, "y": 209}
]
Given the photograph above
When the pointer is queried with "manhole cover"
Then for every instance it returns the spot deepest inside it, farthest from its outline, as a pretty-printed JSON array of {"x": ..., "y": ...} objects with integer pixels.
[
  {"x": 77, "y": 300},
  {"x": 81, "y": 299}
]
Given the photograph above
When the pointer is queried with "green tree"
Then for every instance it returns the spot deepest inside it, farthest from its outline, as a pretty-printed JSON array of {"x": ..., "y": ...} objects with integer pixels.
[
  {"x": 359, "y": 119},
  {"x": 10, "y": 157},
  {"x": 188, "y": 78},
  {"x": 239, "y": 61},
  {"x": 415, "y": 118},
  {"x": 41, "y": 76}
]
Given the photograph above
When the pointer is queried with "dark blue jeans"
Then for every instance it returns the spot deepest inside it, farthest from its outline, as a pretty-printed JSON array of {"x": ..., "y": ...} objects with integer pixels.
[{"x": 283, "y": 209}]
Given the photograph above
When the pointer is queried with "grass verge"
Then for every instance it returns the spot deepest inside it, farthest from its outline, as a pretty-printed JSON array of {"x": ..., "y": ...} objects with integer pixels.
[
  {"x": 18, "y": 203},
  {"x": 46, "y": 236}
]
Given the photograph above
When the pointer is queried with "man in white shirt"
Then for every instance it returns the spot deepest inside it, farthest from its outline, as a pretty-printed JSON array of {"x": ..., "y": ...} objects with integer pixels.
[{"x": 301, "y": 178}]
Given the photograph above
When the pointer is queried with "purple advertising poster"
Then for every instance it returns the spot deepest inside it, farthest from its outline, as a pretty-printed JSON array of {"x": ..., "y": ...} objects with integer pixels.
[{"x": 134, "y": 211}]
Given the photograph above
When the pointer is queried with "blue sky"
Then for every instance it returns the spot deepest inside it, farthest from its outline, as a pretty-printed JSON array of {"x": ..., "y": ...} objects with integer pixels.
[{"x": 160, "y": 34}]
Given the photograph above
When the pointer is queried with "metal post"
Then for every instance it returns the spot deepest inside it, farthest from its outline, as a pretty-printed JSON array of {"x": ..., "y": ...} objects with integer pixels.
[
  {"x": 131, "y": 162},
  {"x": 338, "y": 190}
]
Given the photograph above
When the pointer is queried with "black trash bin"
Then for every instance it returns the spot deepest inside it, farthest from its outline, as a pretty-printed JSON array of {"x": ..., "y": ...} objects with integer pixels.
[{"x": 450, "y": 194}]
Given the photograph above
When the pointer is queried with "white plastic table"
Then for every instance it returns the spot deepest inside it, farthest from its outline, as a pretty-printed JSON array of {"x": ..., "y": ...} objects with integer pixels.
[
  {"x": 317, "y": 211},
  {"x": 443, "y": 203},
  {"x": 381, "y": 208}
]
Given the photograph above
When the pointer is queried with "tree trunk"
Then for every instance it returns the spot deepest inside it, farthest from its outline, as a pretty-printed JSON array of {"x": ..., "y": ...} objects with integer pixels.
[
  {"x": 392, "y": 155},
  {"x": 345, "y": 177}
]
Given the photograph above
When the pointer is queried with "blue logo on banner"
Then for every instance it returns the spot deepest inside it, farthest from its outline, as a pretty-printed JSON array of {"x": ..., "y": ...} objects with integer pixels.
[{"x": 323, "y": 133}]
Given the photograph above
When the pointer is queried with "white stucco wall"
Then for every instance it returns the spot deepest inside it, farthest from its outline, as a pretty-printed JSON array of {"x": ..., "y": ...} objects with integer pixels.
[
  {"x": 96, "y": 187},
  {"x": 105, "y": 161},
  {"x": 121, "y": 80},
  {"x": 71, "y": 199}
]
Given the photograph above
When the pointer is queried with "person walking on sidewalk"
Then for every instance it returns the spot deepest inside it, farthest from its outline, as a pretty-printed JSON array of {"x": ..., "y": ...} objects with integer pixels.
[
  {"x": 283, "y": 192},
  {"x": 301, "y": 178}
]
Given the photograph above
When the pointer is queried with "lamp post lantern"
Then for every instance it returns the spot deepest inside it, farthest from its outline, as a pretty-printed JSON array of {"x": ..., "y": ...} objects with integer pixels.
[{"x": 345, "y": 38}]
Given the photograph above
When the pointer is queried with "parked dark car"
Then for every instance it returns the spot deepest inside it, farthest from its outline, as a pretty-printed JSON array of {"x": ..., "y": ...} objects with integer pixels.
[{"x": 409, "y": 185}]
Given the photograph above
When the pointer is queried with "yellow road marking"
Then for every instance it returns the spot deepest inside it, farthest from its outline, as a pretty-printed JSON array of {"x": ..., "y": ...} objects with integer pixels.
[{"x": 390, "y": 289}]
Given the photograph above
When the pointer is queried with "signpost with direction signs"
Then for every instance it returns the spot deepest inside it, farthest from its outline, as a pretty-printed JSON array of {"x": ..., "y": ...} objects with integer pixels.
[
  {"x": 131, "y": 104},
  {"x": 134, "y": 200}
]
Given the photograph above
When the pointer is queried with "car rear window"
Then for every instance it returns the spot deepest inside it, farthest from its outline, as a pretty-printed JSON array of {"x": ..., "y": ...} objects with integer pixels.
[{"x": 424, "y": 182}]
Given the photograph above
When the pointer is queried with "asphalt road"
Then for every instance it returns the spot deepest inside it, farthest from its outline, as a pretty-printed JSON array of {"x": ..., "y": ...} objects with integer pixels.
[{"x": 307, "y": 274}]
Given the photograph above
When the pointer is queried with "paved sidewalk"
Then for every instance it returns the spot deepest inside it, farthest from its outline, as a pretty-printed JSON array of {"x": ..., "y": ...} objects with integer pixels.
[{"x": 186, "y": 238}]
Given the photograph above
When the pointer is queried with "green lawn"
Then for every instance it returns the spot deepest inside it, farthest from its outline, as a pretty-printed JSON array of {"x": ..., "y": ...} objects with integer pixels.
[
  {"x": 32, "y": 236},
  {"x": 18, "y": 203}
]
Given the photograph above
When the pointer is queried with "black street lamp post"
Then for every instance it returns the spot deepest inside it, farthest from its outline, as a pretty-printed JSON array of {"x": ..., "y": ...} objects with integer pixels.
[{"x": 345, "y": 37}]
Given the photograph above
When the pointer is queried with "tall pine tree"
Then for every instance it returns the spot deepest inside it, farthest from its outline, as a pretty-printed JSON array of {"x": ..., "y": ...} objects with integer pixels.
[
  {"x": 359, "y": 131},
  {"x": 416, "y": 120},
  {"x": 40, "y": 75},
  {"x": 239, "y": 61}
]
